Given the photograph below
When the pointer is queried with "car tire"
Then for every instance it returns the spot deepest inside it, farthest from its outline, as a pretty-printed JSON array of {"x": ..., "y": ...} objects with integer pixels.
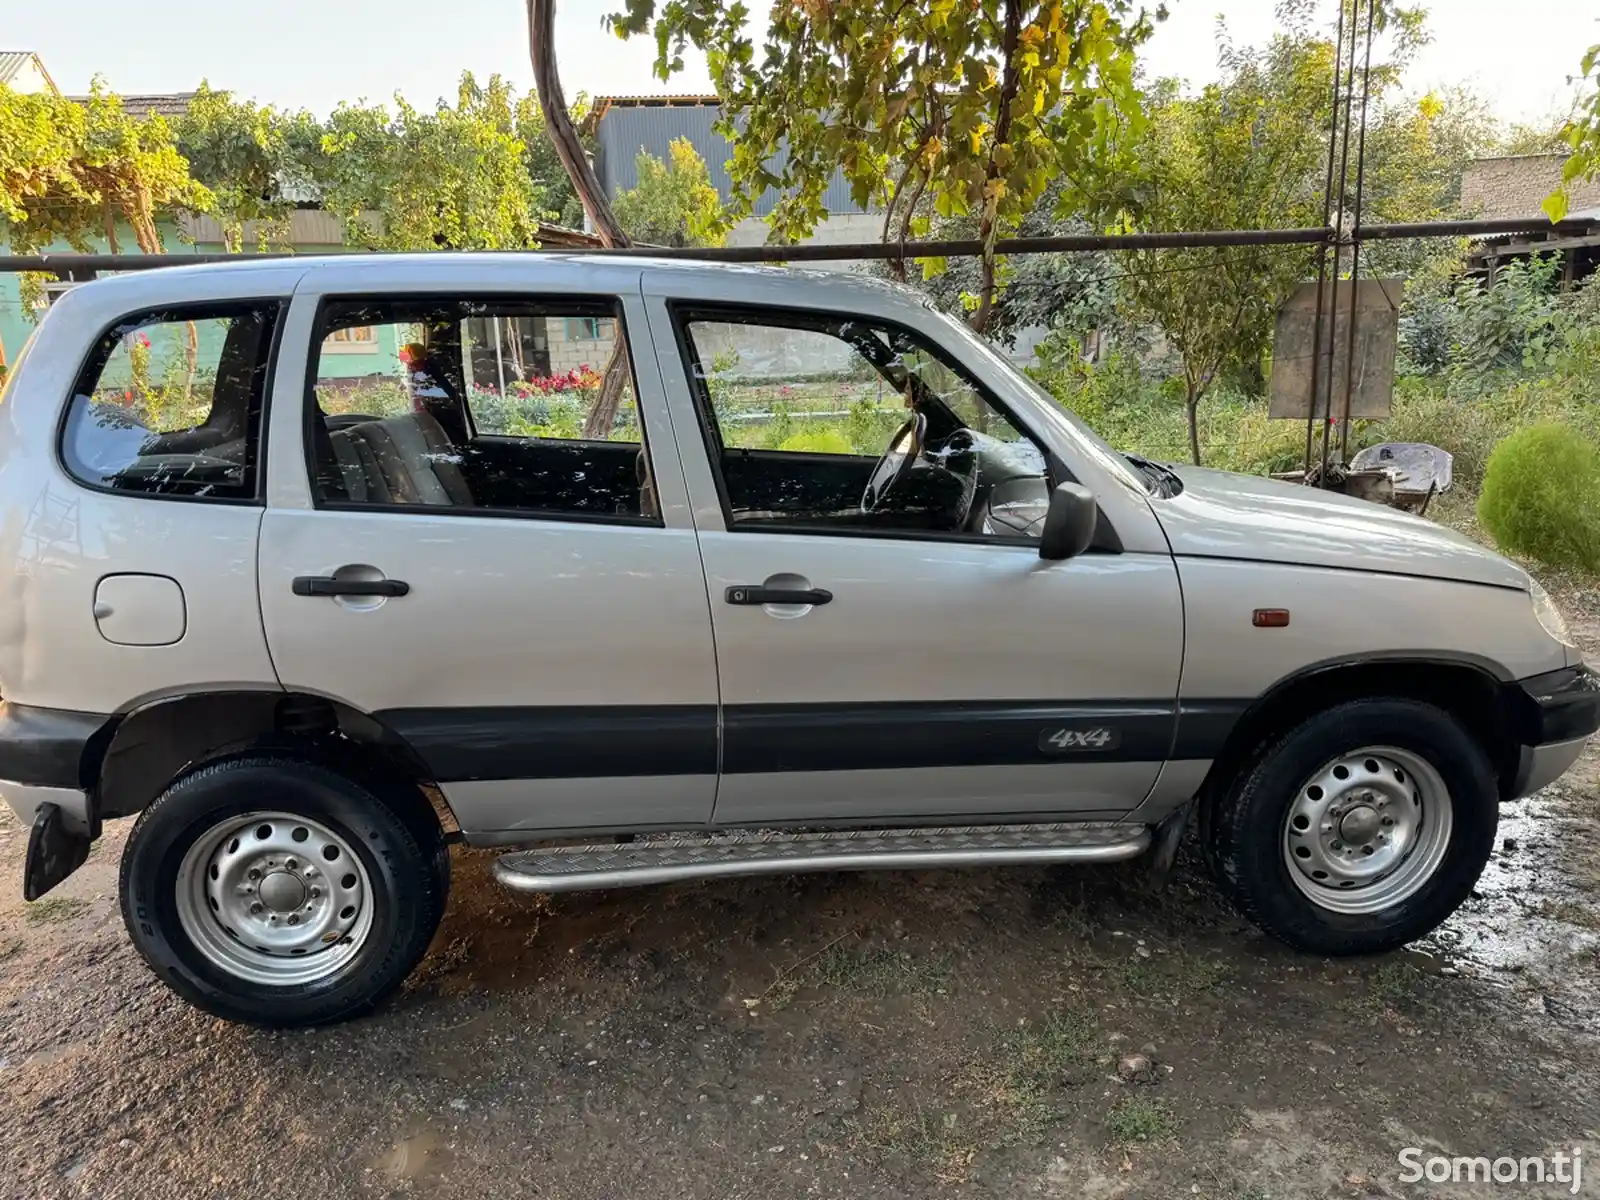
[
  {"x": 1359, "y": 830},
  {"x": 273, "y": 890}
]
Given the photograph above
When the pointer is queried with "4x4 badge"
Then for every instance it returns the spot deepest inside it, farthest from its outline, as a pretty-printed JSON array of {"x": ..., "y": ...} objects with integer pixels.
[{"x": 1068, "y": 741}]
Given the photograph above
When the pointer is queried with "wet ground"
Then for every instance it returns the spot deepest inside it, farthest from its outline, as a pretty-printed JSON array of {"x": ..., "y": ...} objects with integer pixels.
[{"x": 1019, "y": 1033}]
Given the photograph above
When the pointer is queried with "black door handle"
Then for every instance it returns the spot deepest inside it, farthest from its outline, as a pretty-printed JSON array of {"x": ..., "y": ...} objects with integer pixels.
[
  {"x": 328, "y": 585},
  {"x": 741, "y": 593}
]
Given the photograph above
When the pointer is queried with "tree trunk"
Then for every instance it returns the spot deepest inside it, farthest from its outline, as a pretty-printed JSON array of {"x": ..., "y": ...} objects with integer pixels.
[
  {"x": 558, "y": 121},
  {"x": 1191, "y": 400},
  {"x": 569, "y": 149},
  {"x": 1010, "y": 39}
]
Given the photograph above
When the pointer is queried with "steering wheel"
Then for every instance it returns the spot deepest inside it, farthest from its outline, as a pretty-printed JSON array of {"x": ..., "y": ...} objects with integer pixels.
[{"x": 896, "y": 463}]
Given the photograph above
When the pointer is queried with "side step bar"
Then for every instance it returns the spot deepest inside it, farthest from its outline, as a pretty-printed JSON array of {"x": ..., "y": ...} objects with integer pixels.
[{"x": 766, "y": 852}]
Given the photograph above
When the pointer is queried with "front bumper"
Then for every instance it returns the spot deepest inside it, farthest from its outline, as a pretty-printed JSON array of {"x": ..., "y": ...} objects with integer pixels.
[{"x": 1555, "y": 714}]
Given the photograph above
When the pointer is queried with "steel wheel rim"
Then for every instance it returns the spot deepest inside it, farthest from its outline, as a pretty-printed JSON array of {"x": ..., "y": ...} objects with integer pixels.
[
  {"x": 1368, "y": 830},
  {"x": 274, "y": 898}
]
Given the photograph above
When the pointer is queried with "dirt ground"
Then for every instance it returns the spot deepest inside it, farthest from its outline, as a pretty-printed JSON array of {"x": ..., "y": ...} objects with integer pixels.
[{"x": 862, "y": 1036}]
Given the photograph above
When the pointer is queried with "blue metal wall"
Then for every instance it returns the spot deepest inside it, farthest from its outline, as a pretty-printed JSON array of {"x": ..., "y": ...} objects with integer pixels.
[{"x": 624, "y": 130}]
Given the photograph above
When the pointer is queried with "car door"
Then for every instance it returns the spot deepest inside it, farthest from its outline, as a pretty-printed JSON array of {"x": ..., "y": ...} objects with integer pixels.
[
  {"x": 454, "y": 548},
  {"x": 908, "y": 663}
]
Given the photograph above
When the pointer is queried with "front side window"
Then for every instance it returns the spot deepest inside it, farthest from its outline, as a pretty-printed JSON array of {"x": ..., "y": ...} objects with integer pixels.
[
  {"x": 832, "y": 425},
  {"x": 170, "y": 403},
  {"x": 467, "y": 404}
]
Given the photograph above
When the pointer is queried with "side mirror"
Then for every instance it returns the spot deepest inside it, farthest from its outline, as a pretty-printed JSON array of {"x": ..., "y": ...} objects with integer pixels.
[{"x": 1069, "y": 525}]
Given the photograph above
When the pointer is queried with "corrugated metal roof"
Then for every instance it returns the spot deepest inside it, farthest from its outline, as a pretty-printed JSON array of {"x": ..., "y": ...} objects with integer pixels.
[
  {"x": 662, "y": 101},
  {"x": 624, "y": 130},
  {"x": 12, "y": 63}
]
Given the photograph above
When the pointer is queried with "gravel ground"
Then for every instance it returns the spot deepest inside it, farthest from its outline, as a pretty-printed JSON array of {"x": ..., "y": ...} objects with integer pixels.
[{"x": 1019, "y": 1033}]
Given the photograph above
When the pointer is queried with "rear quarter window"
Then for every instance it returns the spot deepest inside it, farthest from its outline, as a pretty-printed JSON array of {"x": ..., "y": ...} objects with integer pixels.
[{"x": 170, "y": 403}]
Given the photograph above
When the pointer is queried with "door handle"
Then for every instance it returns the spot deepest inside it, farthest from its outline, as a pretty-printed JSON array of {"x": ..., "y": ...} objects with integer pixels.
[
  {"x": 329, "y": 585},
  {"x": 742, "y": 593}
]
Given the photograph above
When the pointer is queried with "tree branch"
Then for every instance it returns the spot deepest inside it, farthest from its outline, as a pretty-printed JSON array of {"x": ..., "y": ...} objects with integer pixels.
[{"x": 1002, "y": 135}]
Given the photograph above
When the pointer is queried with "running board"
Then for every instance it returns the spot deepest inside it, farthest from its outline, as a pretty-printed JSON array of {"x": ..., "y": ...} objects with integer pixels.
[{"x": 765, "y": 852}]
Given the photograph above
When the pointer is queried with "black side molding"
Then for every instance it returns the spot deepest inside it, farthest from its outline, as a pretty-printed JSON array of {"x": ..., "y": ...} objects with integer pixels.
[
  {"x": 45, "y": 747},
  {"x": 461, "y": 744}
]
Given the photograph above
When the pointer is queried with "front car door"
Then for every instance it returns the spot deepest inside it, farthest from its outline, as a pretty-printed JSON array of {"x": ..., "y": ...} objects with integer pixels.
[
  {"x": 912, "y": 657},
  {"x": 449, "y": 549}
]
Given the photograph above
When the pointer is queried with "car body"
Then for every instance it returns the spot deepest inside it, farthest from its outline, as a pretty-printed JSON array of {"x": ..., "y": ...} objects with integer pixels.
[{"x": 438, "y": 577}]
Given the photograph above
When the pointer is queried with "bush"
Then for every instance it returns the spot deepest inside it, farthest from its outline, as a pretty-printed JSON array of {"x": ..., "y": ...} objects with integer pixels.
[
  {"x": 819, "y": 441},
  {"x": 1541, "y": 496}
]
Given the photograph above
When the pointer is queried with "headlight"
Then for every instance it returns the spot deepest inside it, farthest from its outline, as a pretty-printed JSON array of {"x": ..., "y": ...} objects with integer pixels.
[{"x": 1549, "y": 615}]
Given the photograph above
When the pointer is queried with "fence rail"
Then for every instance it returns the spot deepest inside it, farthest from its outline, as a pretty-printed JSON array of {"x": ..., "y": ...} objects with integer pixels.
[{"x": 85, "y": 266}]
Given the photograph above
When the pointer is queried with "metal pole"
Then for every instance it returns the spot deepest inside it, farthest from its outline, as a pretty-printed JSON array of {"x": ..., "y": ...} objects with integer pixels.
[
  {"x": 84, "y": 265},
  {"x": 1339, "y": 236},
  {"x": 499, "y": 358},
  {"x": 1322, "y": 251},
  {"x": 1355, "y": 239}
]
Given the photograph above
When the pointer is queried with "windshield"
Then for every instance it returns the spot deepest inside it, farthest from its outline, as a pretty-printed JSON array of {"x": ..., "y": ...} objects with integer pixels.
[{"x": 1050, "y": 410}]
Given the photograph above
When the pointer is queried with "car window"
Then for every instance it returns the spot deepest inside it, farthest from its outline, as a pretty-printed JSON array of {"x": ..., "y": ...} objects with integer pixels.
[
  {"x": 170, "y": 403},
  {"x": 466, "y": 404},
  {"x": 809, "y": 422}
]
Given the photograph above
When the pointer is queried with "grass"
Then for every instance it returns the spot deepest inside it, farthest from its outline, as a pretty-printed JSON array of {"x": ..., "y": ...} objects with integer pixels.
[
  {"x": 1179, "y": 975},
  {"x": 54, "y": 909},
  {"x": 1390, "y": 986},
  {"x": 1135, "y": 1119},
  {"x": 879, "y": 971},
  {"x": 1005, "y": 1097},
  {"x": 875, "y": 972}
]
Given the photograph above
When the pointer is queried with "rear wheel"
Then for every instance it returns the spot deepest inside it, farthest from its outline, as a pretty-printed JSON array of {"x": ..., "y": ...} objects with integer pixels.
[
  {"x": 273, "y": 890},
  {"x": 1359, "y": 830}
]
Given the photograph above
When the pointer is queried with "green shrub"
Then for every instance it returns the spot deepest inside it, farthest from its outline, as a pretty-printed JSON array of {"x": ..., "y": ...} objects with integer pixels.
[
  {"x": 1541, "y": 496},
  {"x": 828, "y": 440}
]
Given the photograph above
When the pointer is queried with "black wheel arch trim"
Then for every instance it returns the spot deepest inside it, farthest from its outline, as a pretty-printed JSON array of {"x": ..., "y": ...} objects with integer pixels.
[{"x": 1515, "y": 708}]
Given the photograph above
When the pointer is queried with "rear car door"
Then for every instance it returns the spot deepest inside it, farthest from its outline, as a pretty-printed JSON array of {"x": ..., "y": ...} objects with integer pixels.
[
  {"x": 916, "y": 661},
  {"x": 456, "y": 545}
]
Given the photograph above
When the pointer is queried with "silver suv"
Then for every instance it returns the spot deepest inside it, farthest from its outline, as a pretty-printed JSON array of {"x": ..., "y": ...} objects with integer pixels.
[{"x": 661, "y": 571}]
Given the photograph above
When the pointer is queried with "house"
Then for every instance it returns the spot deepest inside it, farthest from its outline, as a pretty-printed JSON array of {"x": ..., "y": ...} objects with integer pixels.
[
  {"x": 23, "y": 71},
  {"x": 170, "y": 105},
  {"x": 1514, "y": 187},
  {"x": 626, "y": 125}
]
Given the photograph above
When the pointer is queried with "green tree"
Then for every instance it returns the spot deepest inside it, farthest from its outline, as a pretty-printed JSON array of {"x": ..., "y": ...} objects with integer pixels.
[
  {"x": 549, "y": 177},
  {"x": 455, "y": 178},
  {"x": 1064, "y": 293},
  {"x": 1582, "y": 134},
  {"x": 255, "y": 160},
  {"x": 967, "y": 107},
  {"x": 1243, "y": 154},
  {"x": 674, "y": 203},
  {"x": 70, "y": 170},
  {"x": 1250, "y": 152}
]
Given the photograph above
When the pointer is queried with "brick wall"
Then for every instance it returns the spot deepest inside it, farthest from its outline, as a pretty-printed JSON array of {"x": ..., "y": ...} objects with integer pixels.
[
  {"x": 570, "y": 348},
  {"x": 1516, "y": 186}
]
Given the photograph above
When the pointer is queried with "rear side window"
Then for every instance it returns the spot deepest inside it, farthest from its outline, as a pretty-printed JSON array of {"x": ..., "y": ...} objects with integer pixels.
[{"x": 170, "y": 403}]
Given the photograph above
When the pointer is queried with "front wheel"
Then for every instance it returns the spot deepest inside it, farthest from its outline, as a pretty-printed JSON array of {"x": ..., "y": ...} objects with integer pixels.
[
  {"x": 1359, "y": 830},
  {"x": 275, "y": 891}
]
